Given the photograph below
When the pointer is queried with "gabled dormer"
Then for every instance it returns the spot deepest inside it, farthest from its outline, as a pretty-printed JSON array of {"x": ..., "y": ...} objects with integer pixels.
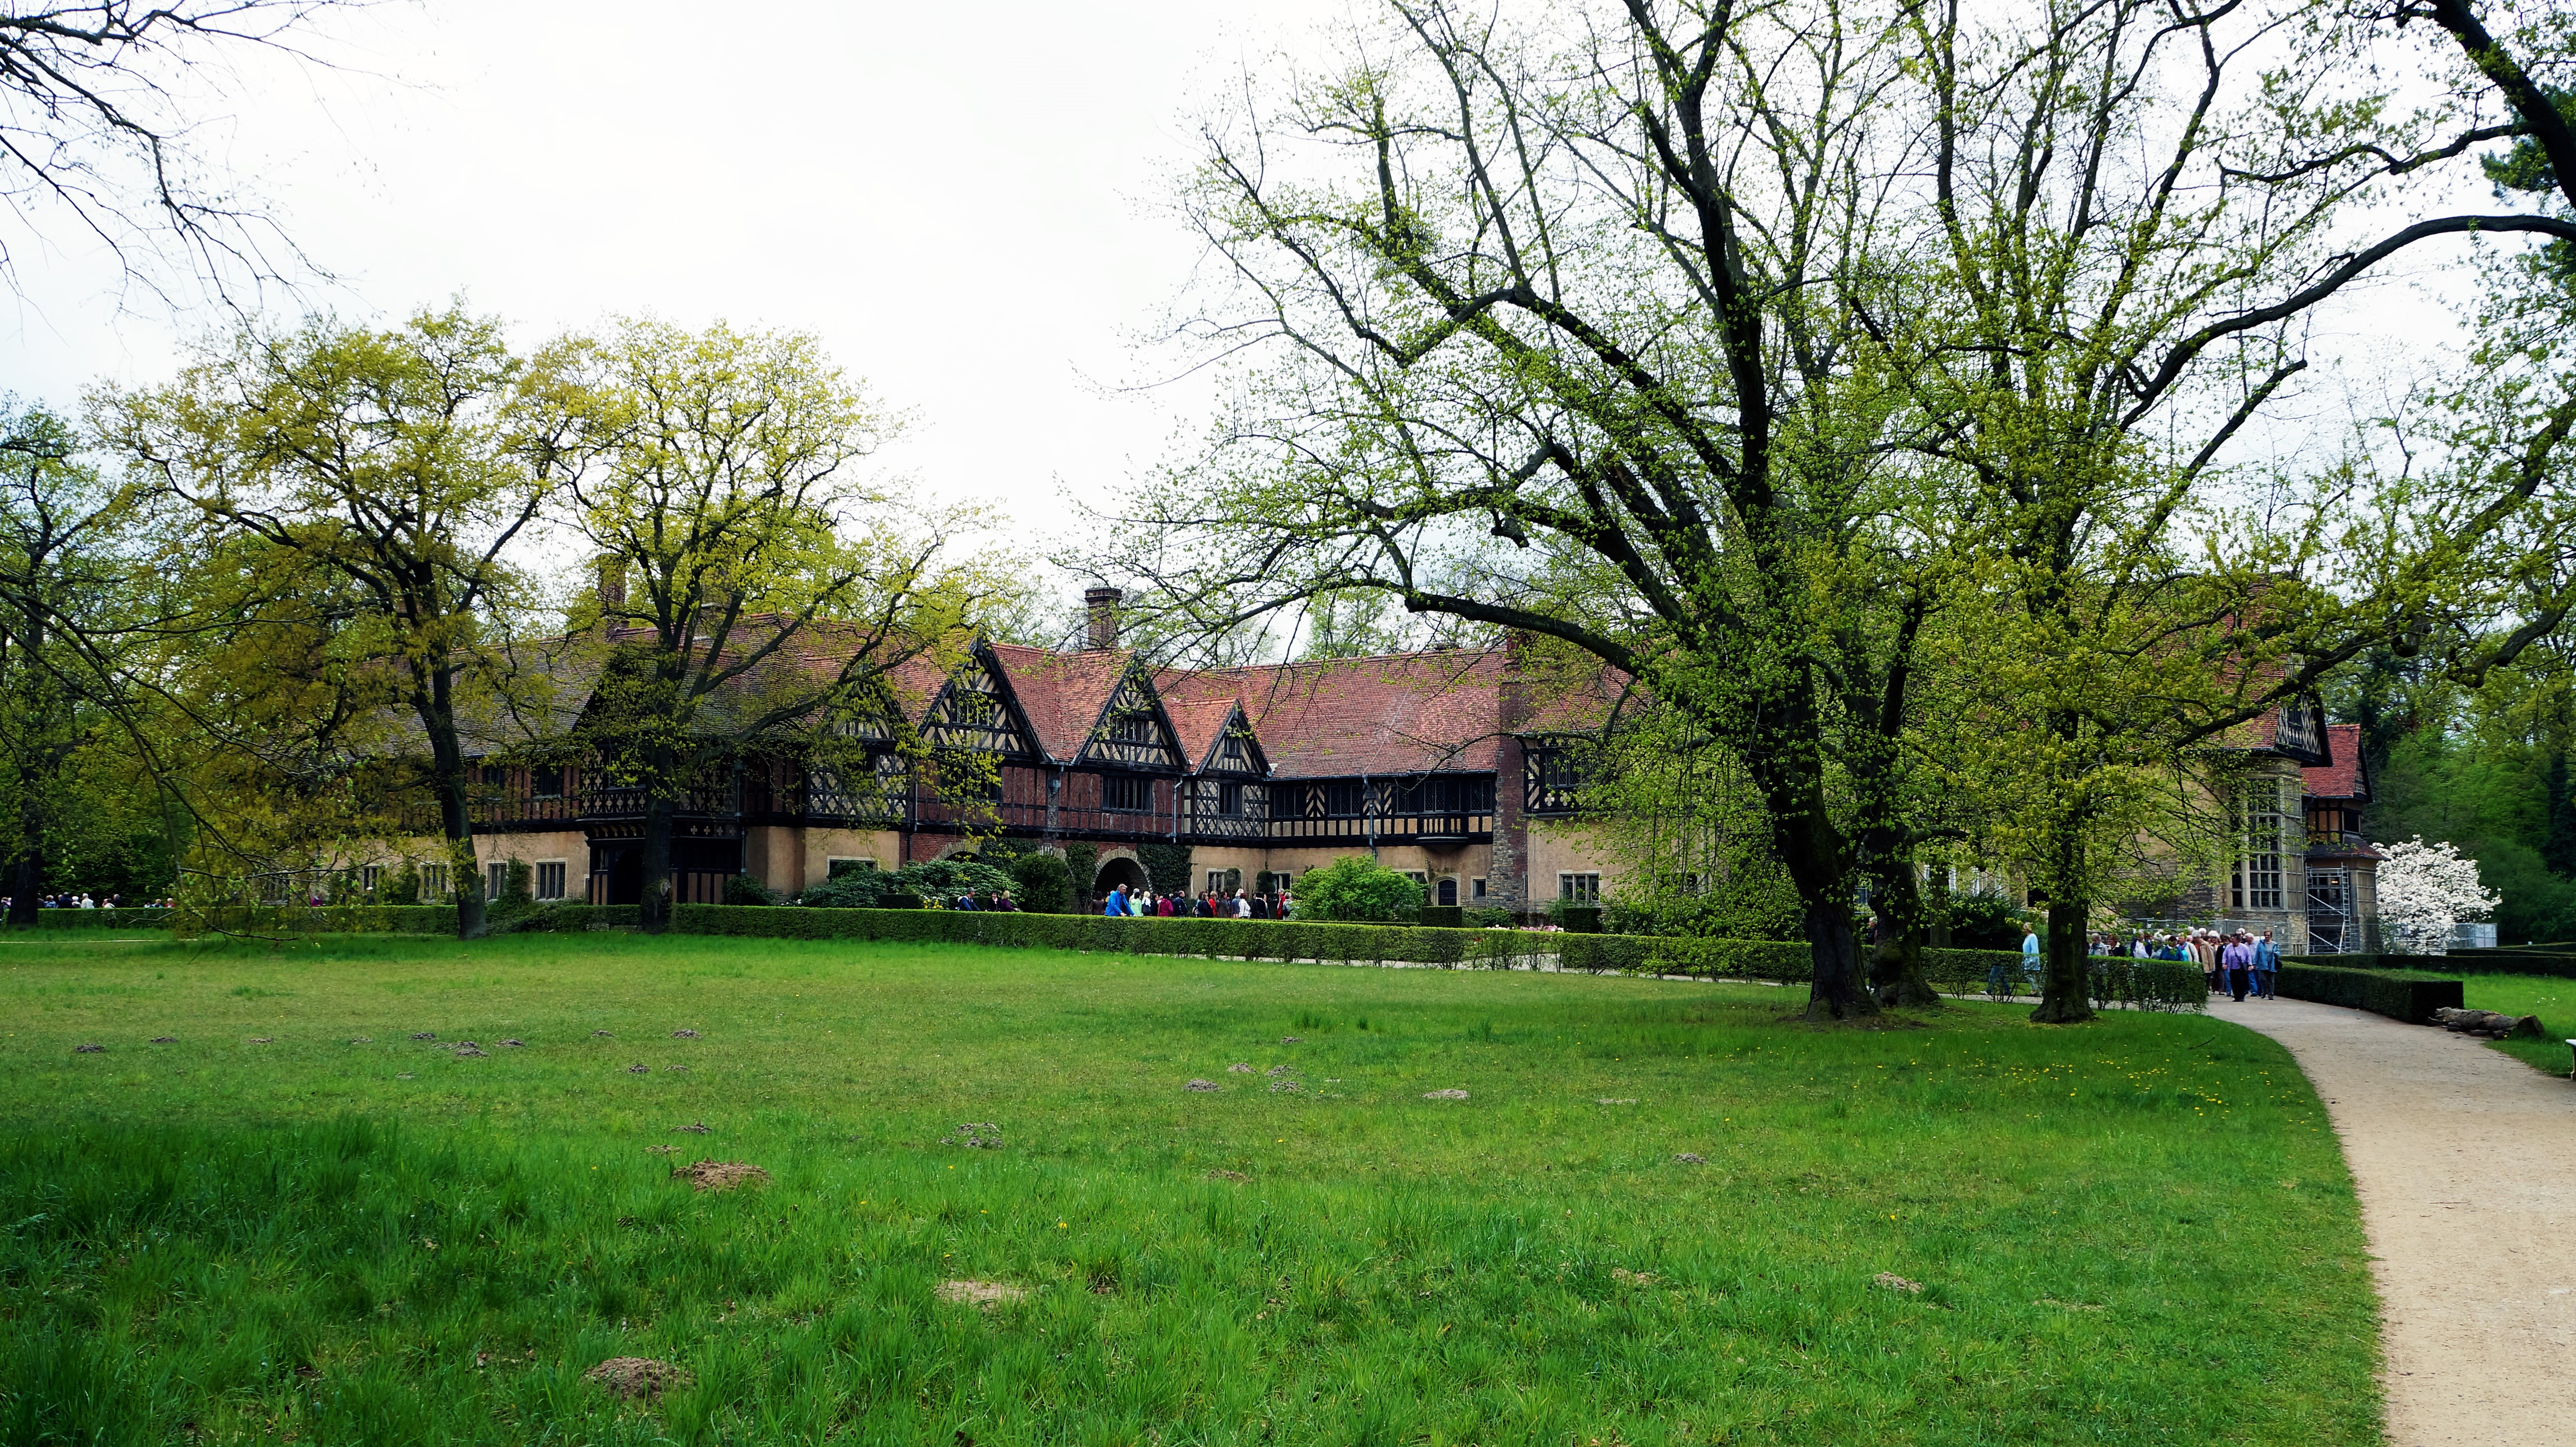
[
  {"x": 974, "y": 710},
  {"x": 1235, "y": 752},
  {"x": 1132, "y": 729}
]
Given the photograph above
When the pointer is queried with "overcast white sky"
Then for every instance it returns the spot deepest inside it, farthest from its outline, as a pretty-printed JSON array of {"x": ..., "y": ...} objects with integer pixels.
[{"x": 961, "y": 201}]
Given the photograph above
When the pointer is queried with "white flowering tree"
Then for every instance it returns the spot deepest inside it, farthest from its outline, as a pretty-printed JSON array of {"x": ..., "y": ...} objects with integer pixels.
[{"x": 2424, "y": 889}]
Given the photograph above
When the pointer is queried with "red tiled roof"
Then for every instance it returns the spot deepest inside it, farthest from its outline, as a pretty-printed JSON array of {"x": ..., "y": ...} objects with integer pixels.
[
  {"x": 1199, "y": 721},
  {"x": 2341, "y": 777},
  {"x": 1062, "y": 693},
  {"x": 1405, "y": 713}
]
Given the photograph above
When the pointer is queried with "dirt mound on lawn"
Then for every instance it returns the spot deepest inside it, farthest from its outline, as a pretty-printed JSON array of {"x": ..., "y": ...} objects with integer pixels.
[
  {"x": 640, "y": 1377},
  {"x": 721, "y": 1175}
]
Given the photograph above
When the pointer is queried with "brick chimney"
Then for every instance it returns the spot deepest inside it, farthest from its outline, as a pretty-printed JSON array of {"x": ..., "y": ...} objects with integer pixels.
[
  {"x": 612, "y": 588},
  {"x": 1102, "y": 605}
]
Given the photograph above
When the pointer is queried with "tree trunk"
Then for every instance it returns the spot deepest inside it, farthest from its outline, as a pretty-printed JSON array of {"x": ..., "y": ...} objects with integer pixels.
[
  {"x": 2063, "y": 998},
  {"x": 456, "y": 822},
  {"x": 436, "y": 706},
  {"x": 653, "y": 905},
  {"x": 1896, "y": 966},
  {"x": 1840, "y": 991},
  {"x": 26, "y": 881}
]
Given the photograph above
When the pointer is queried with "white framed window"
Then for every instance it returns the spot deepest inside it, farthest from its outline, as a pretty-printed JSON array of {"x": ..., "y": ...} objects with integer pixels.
[
  {"x": 2263, "y": 814},
  {"x": 433, "y": 881},
  {"x": 550, "y": 879},
  {"x": 496, "y": 877},
  {"x": 1419, "y": 876},
  {"x": 1579, "y": 888},
  {"x": 1475, "y": 889},
  {"x": 371, "y": 876}
]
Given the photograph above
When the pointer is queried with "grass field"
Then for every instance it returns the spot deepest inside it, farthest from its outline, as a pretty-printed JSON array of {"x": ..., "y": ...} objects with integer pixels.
[
  {"x": 2551, "y": 998},
  {"x": 2139, "y": 1231}
]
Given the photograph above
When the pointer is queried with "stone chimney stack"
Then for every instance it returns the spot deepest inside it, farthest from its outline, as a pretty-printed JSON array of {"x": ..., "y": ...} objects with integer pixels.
[
  {"x": 1102, "y": 604},
  {"x": 612, "y": 587}
]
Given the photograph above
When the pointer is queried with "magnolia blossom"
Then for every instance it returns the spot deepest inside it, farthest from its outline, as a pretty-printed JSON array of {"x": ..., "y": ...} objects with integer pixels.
[{"x": 2424, "y": 889}]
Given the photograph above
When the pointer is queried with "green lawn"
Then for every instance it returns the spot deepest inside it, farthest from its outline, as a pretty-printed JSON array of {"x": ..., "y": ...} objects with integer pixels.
[
  {"x": 2547, "y": 996},
  {"x": 2138, "y": 1231}
]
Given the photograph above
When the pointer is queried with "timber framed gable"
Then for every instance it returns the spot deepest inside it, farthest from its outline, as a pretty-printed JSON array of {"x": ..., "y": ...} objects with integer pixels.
[
  {"x": 1133, "y": 731},
  {"x": 1236, "y": 751},
  {"x": 974, "y": 711}
]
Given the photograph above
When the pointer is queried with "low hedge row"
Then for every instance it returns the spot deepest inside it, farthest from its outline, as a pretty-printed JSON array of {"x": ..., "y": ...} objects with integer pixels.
[
  {"x": 2398, "y": 994},
  {"x": 300, "y": 919},
  {"x": 2520, "y": 960},
  {"x": 104, "y": 918},
  {"x": 1239, "y": 938}
]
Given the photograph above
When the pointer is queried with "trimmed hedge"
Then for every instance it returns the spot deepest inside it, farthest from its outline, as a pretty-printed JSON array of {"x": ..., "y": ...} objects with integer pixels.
[
  {"x": 299, "y": 919},
  {"x": 1251, "y": 939},
  {"x": 104, "y": 918},
  {"x": 569, "y": 918},
  {"x": 2517, "y": 960},
  {"x": 2397, "y": 994}
]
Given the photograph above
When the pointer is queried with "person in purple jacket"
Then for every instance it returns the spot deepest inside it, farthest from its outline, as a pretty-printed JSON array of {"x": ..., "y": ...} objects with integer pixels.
[{"x": 2238, "y": 956}]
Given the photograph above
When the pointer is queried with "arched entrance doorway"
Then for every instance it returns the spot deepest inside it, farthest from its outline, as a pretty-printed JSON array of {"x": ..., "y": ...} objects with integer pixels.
[{"x": 1117, "y": 872}]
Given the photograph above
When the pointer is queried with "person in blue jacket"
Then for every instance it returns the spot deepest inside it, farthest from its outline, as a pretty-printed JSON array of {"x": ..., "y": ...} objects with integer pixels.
[
  {"x": 1116, "y": 904},
  {"x": 2267, "y": 966}
]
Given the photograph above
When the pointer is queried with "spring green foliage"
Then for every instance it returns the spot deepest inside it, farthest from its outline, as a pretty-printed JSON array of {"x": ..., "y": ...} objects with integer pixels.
[
  {"x": 2485, "y": 770},
  {"x": 1357, "y": 889},
  {"x": 720, "y": 474},
  {"x": 1042, "y": 883},
  {"x": 940, "y": 880},
  {"x": 295, "y": 1237}
]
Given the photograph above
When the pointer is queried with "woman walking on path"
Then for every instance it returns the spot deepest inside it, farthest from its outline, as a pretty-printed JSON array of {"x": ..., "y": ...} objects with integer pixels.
[
  {"x": 2237, "y": 957},
  {"x": 2267, "y": 966}
]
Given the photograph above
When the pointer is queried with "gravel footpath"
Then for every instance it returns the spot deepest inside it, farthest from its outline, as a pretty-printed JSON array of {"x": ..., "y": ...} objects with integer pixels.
[{"x": 2465, "y": 1160}]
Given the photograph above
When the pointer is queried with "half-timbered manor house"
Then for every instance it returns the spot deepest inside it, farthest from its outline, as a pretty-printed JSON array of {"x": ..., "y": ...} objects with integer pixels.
[{"x": 1435, "y": 763}]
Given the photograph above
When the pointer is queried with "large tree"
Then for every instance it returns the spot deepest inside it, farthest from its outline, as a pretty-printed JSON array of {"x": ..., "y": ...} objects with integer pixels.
[
  {"x": 1560, "y": 325},
  {"x": 2136, "y": 219},
  {"x": 767, "y": 584},
  {"x": 389, "y": 460}
]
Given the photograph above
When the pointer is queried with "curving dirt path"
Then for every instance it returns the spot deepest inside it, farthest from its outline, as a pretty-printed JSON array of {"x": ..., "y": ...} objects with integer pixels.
[{"x": 2465, "y": 1160}]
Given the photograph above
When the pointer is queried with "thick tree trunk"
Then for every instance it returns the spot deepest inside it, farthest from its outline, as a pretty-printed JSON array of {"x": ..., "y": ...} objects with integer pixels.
[
  {"x": 653, "y": 907},
  {"x": 2063, "y": 998},
  {"x": 434, "y": 701},
  {"x": 1841, "y": 989},
  {"x": 26, "y": 882},
  {"x": 1896, "y": 965},
  {"x": 456, "y": 822}
]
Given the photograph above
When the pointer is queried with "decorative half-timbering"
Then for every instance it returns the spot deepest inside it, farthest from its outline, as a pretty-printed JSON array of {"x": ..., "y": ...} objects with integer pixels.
[
  {"x": 974, "y": 712},
  {"x": 1549, "y": 777},
  {"x": 1236, "y": 751},
  {"x": 1132, "y": 729}
]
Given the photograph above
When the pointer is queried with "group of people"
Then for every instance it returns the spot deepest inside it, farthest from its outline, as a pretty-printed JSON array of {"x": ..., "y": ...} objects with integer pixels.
[
  {"x": 84, "y": 901},
  {"x": 1143, "y": 903},
  {"x": 998, "y": 899},
  {"x": 2233, "y": 963}
]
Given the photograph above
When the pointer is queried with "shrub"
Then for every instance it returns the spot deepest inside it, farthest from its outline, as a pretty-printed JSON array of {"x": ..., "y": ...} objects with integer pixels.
[
  {"x": 1985, "y": 922},
  {"x": 404, "y": 887},
  {"x": 1082, "y": 861},
  {"x": 1353, "y": 889},
  {"x": 1225, "y": 938},
  {"x": 568, "y": 918},
  {"x": 1045, "y": 885},
  {"x": 906, "y": 888},
  {"x": 745, "y": 890},
  {"x": 2397, "y": 994}
]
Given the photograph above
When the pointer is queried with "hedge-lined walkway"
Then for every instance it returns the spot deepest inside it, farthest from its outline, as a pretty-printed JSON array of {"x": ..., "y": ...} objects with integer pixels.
[{"x": 2465, "y": 1160}]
